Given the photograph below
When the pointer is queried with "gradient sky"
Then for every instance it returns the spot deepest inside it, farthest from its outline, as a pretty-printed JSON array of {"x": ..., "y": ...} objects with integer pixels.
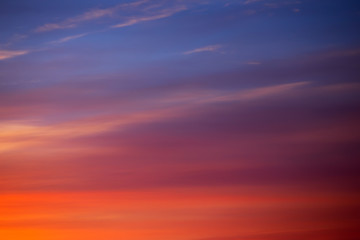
[{"x": 179, "y": 120}]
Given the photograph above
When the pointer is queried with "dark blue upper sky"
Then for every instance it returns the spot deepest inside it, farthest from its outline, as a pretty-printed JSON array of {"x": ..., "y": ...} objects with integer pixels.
[{"x": 103, "y": 37}]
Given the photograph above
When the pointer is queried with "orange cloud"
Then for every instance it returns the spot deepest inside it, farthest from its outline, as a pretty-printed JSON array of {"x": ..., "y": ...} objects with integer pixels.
[{"x": 5, "y": 54}]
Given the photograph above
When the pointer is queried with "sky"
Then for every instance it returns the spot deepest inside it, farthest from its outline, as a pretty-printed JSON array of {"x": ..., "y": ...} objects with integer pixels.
[{"x": 179, "y": 120}]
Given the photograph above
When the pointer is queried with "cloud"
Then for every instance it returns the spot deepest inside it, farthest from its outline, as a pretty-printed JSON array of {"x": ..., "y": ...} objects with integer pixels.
[
  {"x": 266, "y": 131},
  {"x": 162, "y": 14},
  {"x": 5, "y": 54},
  {"x": 251, "y": 1},
  {"x": 54, "y": 26},
  {"x": 218, "y": 96},
  {"x": 14, "y": 39},
  {"x": 210, "y": 48},
  {"x": 65, "y": 39},
  {"x": 87, "y": 16},
  {"x": 260, "y": 92},
  {"x": 158, "y": 110}
]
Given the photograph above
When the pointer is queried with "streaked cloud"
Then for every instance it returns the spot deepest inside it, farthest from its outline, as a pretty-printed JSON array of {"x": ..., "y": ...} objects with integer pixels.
[
  {"x": 87, "y": 16},
  {"x": 143, "y": 12},
  {"x": 261, "y": 92},
  {"x": 69, "y": 38},
  {"x": 20, "y": 135},
  {"x": 161, "y": 14},
  {"x": 210, "y": 48},
  {"x": 5, "y": 54},
  {"x": 55, "y": 26},
  {"x": 159, "y": 108},
  {"x": 251, "y": 1},
  {"x": 14, "y": 39}
]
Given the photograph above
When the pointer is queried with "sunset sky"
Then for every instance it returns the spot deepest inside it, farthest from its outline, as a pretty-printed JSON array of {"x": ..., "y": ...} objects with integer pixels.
[{"x": 179, "y": 120}]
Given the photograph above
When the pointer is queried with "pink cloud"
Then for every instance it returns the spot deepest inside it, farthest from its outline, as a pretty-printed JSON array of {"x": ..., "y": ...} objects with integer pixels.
[{"x": 5, "y": 54}]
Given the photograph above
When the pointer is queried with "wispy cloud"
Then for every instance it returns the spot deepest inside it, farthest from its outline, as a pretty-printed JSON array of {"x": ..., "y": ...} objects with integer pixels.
[
  {"x": 267, "y": 91},
  {"x": 66, "y": 39},
  {"x": 210, "y": 48},
  {"x": 158, "y": 110},
  {"x": 5, "y": 54},
  {"x": 55, "y": 26},
  {"x": 162, "y": 14},
  {"x": 13, "y": 39},
  {"x": 244, "y": 95},
  {"x": 87, "y": 16},
  {"x": 20, "y": 135},
  {"x": 251, "y": 1}
]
